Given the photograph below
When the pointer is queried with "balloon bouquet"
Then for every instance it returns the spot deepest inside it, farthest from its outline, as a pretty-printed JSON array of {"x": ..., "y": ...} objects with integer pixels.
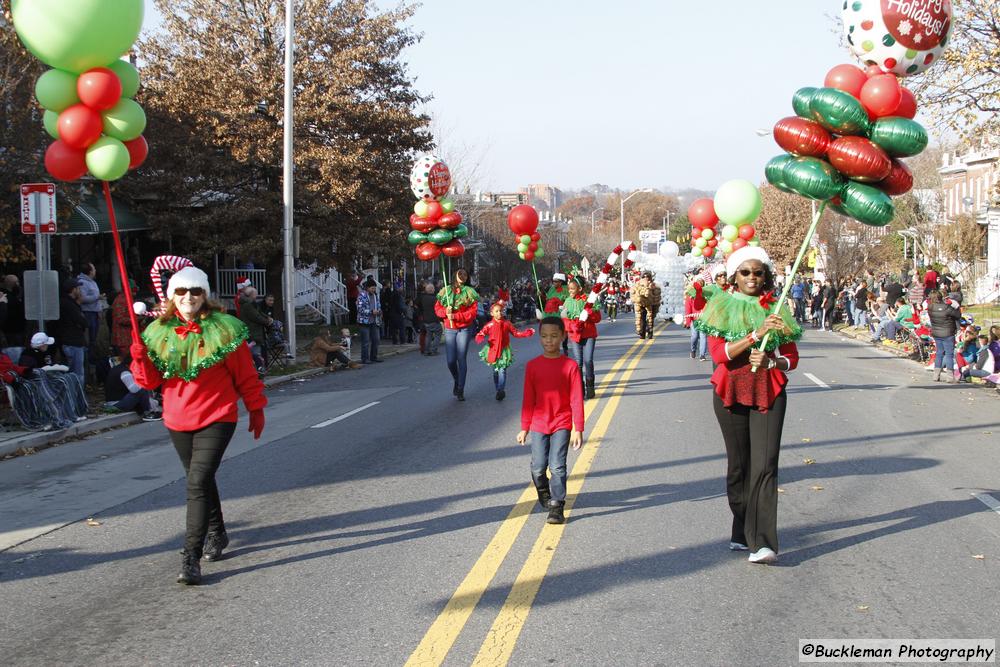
[
  {"x": 87, "y": 95},
  {"x": 737, "y": 205},
  {"x": 523, "y": 221}
]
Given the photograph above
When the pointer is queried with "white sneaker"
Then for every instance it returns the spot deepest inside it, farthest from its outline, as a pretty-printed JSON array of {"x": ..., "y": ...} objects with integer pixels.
[
  {"x": 738, "y": 546},
  {"x": 763, "y": 555}
]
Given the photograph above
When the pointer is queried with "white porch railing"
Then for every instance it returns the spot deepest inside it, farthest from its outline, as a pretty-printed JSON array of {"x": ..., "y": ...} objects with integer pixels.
[
  {"x": 321, "y": 292},
  {"x": 225, "y": 281}
]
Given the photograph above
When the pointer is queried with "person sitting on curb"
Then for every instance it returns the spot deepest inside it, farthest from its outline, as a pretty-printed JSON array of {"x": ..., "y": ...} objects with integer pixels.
[
  {"x": 123, "y": 394},
  {"x": 325, "y": 352},
  {"x": 38, "y": 355}
]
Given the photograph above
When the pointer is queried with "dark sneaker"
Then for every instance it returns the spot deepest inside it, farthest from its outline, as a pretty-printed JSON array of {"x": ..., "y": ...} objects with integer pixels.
[
  {"x": 556, "y": 512},
  {"x": 190, "y": 569},
  {"x": 501, "y": 395},
  {"x": 460, "y": 395},
  {"x": 152, "y": 417},
  {"x": 214, "y": 544},
  {"x": 692, "y": 354},
  {"x": 454, "y": 389}
]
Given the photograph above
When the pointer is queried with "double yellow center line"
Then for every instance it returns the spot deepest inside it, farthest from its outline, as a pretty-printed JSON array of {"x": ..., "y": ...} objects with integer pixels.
[{"x": 502, "y": 637}]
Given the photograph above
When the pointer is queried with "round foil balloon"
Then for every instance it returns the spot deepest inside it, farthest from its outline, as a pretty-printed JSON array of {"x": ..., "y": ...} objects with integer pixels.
[
  {"x": 903, "y": 37},
  {"x": 430, "y": 178},
  {"x": 860, "y": 159},
  {"x": 867, "y": 204},
  {"x": 800, "y": 136},
  {"x": 774, "y": 172},
  {"x": 813, "y": 178},
  {"x": 800, "y": 101}
]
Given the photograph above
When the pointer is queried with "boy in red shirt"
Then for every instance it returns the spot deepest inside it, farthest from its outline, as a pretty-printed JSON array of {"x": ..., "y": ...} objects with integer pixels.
[{"x": 552, "y": 415}]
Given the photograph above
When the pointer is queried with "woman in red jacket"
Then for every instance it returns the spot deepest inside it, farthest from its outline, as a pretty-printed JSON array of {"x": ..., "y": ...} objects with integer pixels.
[
  {"x": 199, "y": 356},
  {"x": 582, "y": 335},
  {"x": 456, "y": 307},
  {"x": 498, "y": 355},
  {"x": 750, "y": 406}
]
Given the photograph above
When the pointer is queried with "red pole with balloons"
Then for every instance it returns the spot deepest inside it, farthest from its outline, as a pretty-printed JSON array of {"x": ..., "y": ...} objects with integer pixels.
[{"x": 87, "y": 95}]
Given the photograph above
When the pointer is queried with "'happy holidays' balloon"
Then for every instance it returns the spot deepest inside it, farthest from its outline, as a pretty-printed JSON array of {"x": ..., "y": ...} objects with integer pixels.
[
  {"x": 904, "y": 37},
  {"x": 430, "y": 178}
]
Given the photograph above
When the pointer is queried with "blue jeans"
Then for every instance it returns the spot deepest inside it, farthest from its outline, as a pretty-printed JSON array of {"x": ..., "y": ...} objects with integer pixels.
[
  {"x": 549, "y": 451},
  {"x": 370, "y": 335},
  {"x": 850, "y": 312},
  {"x": 138, "y": 402},
  {"x": 583, "y": 354},
  {"x": 456, "y": 349},
  {"x": 800, "y": 309},
  {"x": 93, "y": 321},
  {"x": 74, "y": 359},
  {"x": 861, "y": 318},
  {"x": 500, "y": 379},
  {"x": 944, "y": 357},
  {"x": 699, "y": 342}
]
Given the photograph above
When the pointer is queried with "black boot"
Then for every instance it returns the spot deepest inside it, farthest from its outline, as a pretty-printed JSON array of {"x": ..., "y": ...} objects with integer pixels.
[
  {"x": 591, "y": 393},
  {"x": 214, "y": 544},
  {"x": 190, "y": 569},
  {"x": 501, "y": 395},
  {"x": 460, "y": 395},
  {"x": 556, "y": 512},
  {"x": 544, "y": 496}
]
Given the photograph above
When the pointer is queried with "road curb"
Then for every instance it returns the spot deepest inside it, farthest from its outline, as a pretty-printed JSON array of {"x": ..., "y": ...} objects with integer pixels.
[{"x": 39, "y": 440}]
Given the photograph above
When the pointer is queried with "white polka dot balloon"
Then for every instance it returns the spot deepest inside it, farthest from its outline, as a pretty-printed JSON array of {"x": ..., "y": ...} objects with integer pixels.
[
  {"x": 903, "y": 37},
  {"x": 430, "y": 178}
]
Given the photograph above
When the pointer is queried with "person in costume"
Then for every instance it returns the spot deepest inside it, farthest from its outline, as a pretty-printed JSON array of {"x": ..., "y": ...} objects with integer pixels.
[
  {"x": 558, "y": 288},
  {"x": 498, "y": 355},
  {"x": 646, "y": 297},
  {"x": 611, "y": 300},
  {"x": 198, "y": 356},
  {"x": 582, "y": 335},
  {"x": 750, "y": 406},
  {"x": 456, "y": 307},
  {"x": 699, "y": 294}
]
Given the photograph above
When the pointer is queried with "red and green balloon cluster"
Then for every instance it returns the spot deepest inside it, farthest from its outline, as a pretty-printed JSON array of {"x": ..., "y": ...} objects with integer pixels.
[
  {"x": 523, "y": 221},
  {"x": 437, "y": 226},
  {"x": 736, "y": 206},
  {"x": 87, "y": 95},
  {"x": 845, "y": 143}
]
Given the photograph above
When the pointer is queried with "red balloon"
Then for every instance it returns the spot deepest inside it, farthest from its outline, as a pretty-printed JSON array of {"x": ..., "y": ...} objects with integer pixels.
[
  {"x": 535, "y": 236},
  {"x": 907, "y": 104},
  {"x": 450, "y": 220},
  {"x": 138, "y": 149},
  {"x": 881, "y": 95},
  {"x": 713, "y": 242},
  {"x": 848, "y": 78},
  {"x": 434, "y": 210},
  {"x": 65, "y": 163},
  {"x": 873, "y": 70},
  {"x": 427, "y": 251},
  {"x": 99, "y": 88},
  {"x": 414, "y": 217},
  {"x": 747, "y": 232},
  {"x": 453, "y": 248},
  {"x": 702, "y": 215},
  {"x": 860, "y": 159},
  {"x": 739, "y": 243},
  {"x": 533, "y": 246},
  {"x": 80, "y": 126},
  {"x": 707, "y": 252},
  {"x": 522, "y": 219},
  {"x": 898, "y": 182},
  {"x": 529, "y": 255},
  {"x": 800, "y": 136},
  {"x": 423, "y": 225}
]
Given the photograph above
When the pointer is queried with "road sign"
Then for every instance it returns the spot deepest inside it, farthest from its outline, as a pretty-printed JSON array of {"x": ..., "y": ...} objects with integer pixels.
[
  {"x": 41, "y": 295},
  {"x": 38, "y": 207}
]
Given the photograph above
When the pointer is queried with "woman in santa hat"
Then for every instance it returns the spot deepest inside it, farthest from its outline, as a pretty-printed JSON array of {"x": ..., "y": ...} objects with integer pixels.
[
  {"x": 198, "y": 355},
  {"x": 749, "y": 398}
]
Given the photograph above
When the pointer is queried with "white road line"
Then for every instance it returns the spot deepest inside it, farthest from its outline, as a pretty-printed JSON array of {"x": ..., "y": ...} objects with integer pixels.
[
  {"x": 988, "y": 500},
  {"x": 817, "y": 380},
  {"x": 344, "y": 416}
]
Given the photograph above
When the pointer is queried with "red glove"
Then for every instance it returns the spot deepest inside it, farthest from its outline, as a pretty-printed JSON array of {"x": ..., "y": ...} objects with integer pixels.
[
  {"x": 256, "y": 423},
  {"x": 137, "y": 350}
]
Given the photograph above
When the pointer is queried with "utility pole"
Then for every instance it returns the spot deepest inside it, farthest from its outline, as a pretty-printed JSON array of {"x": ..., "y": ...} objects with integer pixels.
[{"x": 288, "y": 192}]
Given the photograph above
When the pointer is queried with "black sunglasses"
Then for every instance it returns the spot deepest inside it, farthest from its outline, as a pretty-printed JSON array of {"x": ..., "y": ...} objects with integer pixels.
[
  {"x": 758, "y": 273},
  {"x": 195, "y": 291}
]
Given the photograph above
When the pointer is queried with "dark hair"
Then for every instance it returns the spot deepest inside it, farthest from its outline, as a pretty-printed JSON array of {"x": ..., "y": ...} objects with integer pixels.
[
  {"x": 768, "y": 278},
  {"x": 454, "y": 282},
  {"x": 554, "y": 321},
  {"x": 934, "y": 297}
]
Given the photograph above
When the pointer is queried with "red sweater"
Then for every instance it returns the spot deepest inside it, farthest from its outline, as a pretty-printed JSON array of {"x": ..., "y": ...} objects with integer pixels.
[
  {"x": 553, "y": 396},
  {"x": 577, "y": 330},
  {"x": 736, "y": 384},
  {"x": 461, "y": 318},
  {"x": 208, "y": 398}
]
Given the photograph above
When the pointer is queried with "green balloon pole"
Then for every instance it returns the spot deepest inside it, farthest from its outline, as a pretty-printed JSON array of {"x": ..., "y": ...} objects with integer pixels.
[
  {"x": 795, "y": 269},
  {"x": 538, "y": 288}
]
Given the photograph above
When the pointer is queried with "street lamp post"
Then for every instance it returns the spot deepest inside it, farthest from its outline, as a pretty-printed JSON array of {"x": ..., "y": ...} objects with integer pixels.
[
  {"x": 288, "y": 194},
  {"x": 592, "y": 218},
  {"x": 625, "y": 254}
]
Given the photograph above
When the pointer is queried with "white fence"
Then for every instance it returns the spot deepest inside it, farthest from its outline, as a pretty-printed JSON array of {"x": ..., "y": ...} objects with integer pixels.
[{"x": 225, "y": 281}]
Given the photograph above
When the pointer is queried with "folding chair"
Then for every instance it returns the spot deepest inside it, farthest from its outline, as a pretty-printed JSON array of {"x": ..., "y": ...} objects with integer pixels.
[{"x": 275, "y": 355}]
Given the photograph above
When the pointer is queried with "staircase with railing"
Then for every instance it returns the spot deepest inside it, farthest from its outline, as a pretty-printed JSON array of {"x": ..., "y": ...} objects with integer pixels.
[{"x": 320, "y": 296}]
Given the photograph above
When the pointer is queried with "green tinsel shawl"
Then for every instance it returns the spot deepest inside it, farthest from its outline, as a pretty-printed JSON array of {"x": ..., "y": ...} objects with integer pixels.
[
  {"x": 732, "y": 316},
  {"x": 185, "y": 358},
  {"x": 448, "y": 297},
  {"x": 572, "y": 308}
]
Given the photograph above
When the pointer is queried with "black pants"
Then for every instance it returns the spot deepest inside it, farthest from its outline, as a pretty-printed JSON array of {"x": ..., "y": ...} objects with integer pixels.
[
  {"x": 753, "y": 442},
  {"x": 201, "y": 454}
]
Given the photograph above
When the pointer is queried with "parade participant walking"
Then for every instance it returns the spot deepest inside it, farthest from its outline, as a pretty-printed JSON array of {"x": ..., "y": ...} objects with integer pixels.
[
  {"x": 750, "y": 406},
  {"x": 551, "y": 416},
  {"x": 199, "y": 357},
  {"x": 456, "y": 307},
  {"x": 646, "y": 297},
  {"x": 369, "y": 313},
  {"x": 611, "y": 300},
  {"x": 582, "y": 335},
  {"x": 497, "y": 355},
  {"x": 558, "y": 289}
]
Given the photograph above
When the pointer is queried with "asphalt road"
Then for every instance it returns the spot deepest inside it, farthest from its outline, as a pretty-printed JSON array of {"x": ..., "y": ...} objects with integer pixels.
[{"x": 403, "y": 531}]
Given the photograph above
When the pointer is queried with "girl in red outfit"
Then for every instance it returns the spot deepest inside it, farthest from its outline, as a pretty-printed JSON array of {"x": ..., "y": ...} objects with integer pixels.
[
  {"x": 750, "y": 406},
  {"x": 199, "y": 356},
  {"x": 497, "y": 355},
  {"x": 582, "y": 335},
  {"x": 456, "y": 306}
]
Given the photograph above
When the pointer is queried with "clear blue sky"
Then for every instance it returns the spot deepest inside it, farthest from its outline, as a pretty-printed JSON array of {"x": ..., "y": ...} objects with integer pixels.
[{"x": 629, "y": 93}]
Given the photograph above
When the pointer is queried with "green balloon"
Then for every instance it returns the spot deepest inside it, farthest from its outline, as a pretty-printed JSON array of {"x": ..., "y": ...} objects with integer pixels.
[
  {"x": 50, "y": 119},
  {"x": 124, "y": 121},
  {"x": 521, "y": 255},
  {"x": 522, "y": 247},
  {"x": 774, "y": 172},
  {"x": 416, "y": 238},
  {"x": 56, "y": 90},
  {"x": 447, "y": 205},
  {"x": 867, "y": 204},
  {"x": 839, "y": 112},
  {"x": 460, "y": 232},
  {"x": 539, "y": 253},
  {"x": 440, "y": 236},
  {"x": 107, "y": 159},
  {"x": 737, "y": 202},
  {"x": 899, "y": 137},
  {"x": 526, "y": 239},
  {"x": 128, "y": 75},
  {"x": 800, "y": 102},
  {"x": 77, "y": 35},
  {"x": 813, "y": 177}
]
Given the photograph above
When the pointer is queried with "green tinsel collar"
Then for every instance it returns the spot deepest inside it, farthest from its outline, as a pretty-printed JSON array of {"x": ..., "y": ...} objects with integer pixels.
[
  {"x": 732, "y": 316},
  {"x": 460, "y": 299},
  {"x": 186, "y": 357}
]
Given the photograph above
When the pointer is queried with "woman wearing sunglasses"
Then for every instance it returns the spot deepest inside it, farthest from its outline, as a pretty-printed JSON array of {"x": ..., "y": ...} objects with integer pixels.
[
  {"x": 750, "y": 406},
  {"x": 199, "y": 356}
]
